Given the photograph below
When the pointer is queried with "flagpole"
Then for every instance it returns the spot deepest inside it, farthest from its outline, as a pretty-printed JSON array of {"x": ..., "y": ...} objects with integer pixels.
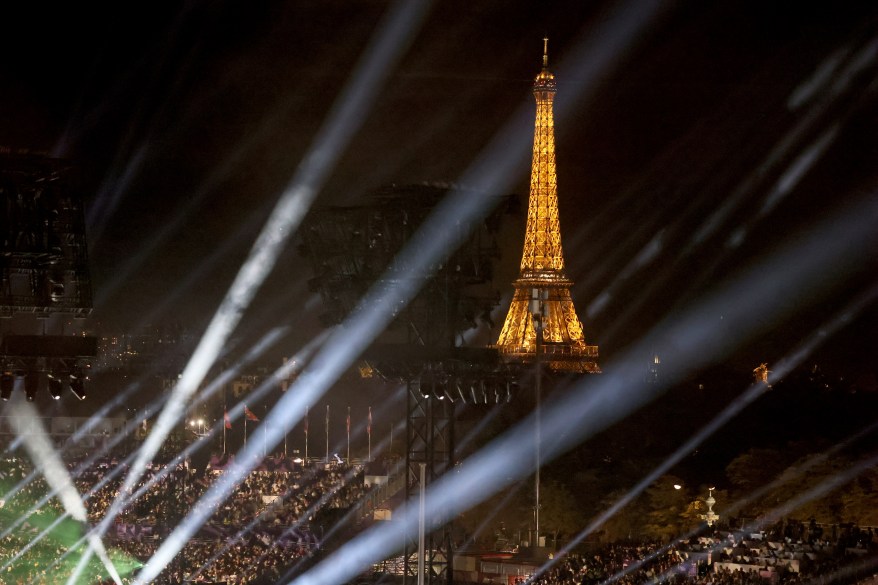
[
  {"x": 245, "y": 430},
  {"x": 348, "y": 422},
  {"x": 306, "y": 435},
  {"x": 369, "y": 428},
  {"x": 264, "y": 431},
  {"x": 225, "y": 411},
  {"x": 327, "y": 433}
]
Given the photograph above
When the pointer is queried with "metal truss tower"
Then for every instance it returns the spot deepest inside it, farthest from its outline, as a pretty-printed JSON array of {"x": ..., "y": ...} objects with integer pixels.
[
  {"x": 542, "y": 291},
  {"x": 43, "y": 273},
  {"x": 44, "y": 262},
  {"x": 439, "y": 386},
  {"x": 354, "y": 250}
]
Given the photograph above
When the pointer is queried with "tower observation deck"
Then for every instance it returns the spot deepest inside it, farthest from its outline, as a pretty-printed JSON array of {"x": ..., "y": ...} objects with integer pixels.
[{"x": 542, "y": 291}]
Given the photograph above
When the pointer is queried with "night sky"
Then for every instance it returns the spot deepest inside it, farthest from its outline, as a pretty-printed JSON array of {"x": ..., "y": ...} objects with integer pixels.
[{"x": 187, "y": 123}]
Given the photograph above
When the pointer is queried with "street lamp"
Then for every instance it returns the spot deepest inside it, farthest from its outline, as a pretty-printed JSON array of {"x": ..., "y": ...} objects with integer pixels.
[
  {"x": 197, "y": 423},
  {"x": 710, "y": 517}
]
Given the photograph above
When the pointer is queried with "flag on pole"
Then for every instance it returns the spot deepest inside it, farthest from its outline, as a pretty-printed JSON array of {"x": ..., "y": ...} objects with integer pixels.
[
  {"x": 348, "y": 421},
  {"x": 306, "y": 420},
  {"x": 327, "y": 418},
  {"x": 249, "y": 414},
  {"x": 226, "y": 419}
]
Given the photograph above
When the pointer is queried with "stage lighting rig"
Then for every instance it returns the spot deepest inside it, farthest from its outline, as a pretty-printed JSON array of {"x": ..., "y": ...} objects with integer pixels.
[
  {"x": 45, "y": 274},
  {"x": 354, "y": 250}
]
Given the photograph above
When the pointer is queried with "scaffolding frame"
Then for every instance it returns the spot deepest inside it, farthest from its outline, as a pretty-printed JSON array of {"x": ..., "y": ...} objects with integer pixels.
[
  {"x": 355, "y": 249},
  {"x": 44, "y": 261}
]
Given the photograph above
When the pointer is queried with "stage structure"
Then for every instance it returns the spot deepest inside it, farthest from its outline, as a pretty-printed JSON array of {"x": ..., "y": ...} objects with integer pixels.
[
  {"x": 353, "y": 250},
  {"x": 542, "y": 291},
  {"x": 43, "y": 274}
]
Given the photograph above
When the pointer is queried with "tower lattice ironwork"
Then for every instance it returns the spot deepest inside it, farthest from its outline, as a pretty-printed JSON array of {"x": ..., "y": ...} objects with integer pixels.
[{"x": 542, "y": 290}]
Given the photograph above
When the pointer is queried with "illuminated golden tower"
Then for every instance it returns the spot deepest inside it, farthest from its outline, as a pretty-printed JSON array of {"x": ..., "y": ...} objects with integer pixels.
[{"x": 542, "y": 291}]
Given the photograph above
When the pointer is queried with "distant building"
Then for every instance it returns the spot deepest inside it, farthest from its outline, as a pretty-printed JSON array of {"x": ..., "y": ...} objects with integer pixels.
[{"x": 652, "y": 371}]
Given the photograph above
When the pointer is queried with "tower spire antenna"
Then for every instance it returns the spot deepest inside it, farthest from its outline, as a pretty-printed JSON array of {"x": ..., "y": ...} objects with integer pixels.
[{"x": 545, "y": 51}]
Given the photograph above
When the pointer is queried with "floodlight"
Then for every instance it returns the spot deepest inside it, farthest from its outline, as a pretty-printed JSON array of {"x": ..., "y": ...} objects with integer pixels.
[
  {"x": 77, "y": 386},
  {"x": 55, "y": 386},
  {"x": 7, "y": 382},
  {"x": 31, "y": 385}
]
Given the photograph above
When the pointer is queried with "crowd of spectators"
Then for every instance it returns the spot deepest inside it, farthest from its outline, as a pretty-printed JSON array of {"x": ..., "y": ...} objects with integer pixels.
[
  {"x": 728, "y": 559},
  {"x": 269, "y": 524},
  {"x": 265, "y": 526}
]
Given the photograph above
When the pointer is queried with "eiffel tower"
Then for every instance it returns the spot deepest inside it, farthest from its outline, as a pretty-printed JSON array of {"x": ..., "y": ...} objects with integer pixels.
[{"x": 542, "y": 291}]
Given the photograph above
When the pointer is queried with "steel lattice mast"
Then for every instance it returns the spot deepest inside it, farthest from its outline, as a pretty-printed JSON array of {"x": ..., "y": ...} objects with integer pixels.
[{"x": 542, "y": 290}]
